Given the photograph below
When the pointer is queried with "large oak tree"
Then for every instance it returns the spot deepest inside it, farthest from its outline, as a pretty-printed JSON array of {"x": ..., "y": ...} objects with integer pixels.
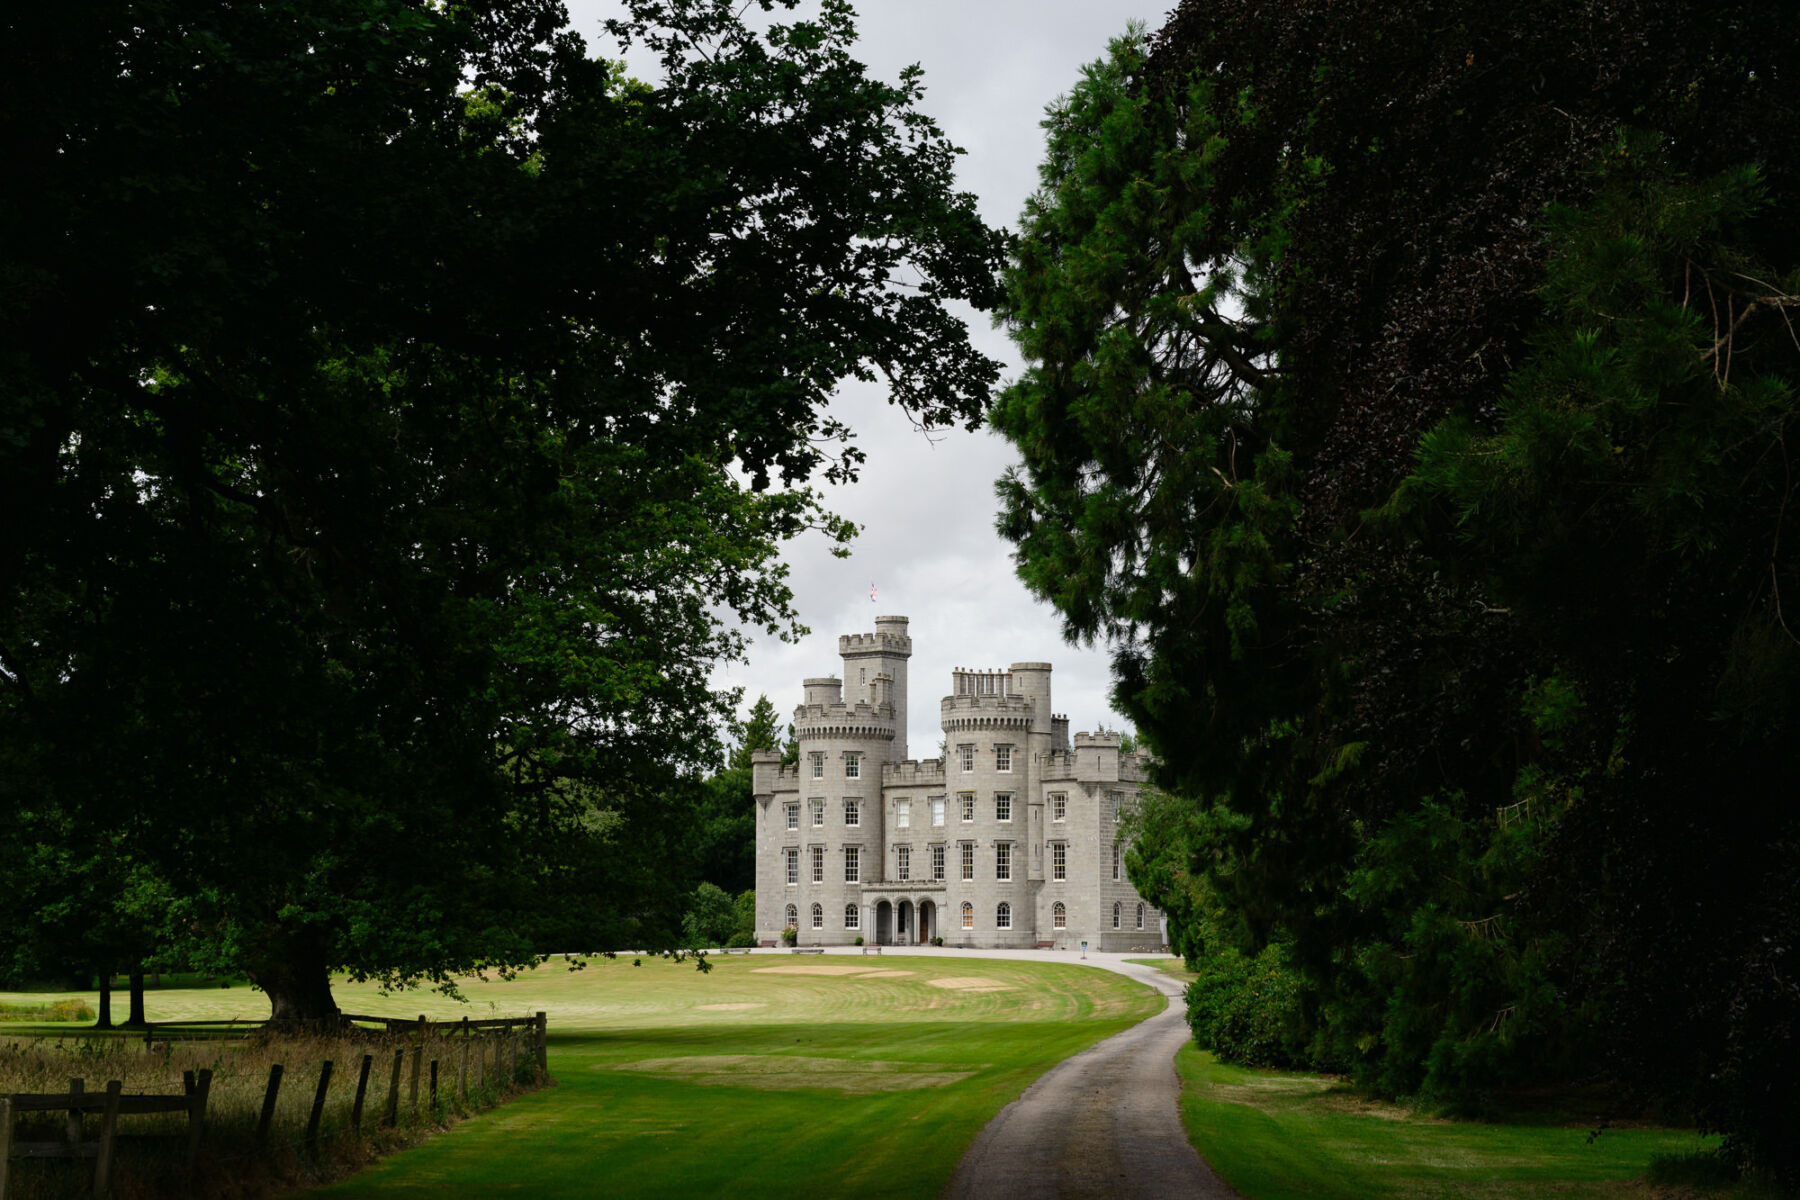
[{"x": 402, "y": 409}]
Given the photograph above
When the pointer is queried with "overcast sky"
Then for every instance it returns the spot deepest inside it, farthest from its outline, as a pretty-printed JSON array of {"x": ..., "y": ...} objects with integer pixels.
[{"x": 926, "y": 507}]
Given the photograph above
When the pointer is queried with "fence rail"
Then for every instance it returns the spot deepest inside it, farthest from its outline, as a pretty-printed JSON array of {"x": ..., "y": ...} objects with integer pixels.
[{"x": 111, "y": 1105}]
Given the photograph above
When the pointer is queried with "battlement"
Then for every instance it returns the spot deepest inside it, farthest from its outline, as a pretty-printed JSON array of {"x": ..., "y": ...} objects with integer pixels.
[
  {"x": 1094, "y": 758},
  {"x": 889, "y": 638},
  {"x": 914, "y": 772},
  {"x": 814, "y": 721}
]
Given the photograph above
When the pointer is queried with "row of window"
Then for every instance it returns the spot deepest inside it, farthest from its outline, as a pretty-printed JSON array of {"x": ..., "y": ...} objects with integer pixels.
[
  {"x": 1003, "y": 761},
  {"x": 1003, "y": 809},
  {"x": 1059, "y": 916},
  {"x": 1003, "y": 860}
]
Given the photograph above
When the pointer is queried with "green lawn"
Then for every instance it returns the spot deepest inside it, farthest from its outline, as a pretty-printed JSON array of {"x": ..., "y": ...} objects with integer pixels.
[
  {"x": 1284, "y": 1136},
  {"x": 871, "y": 1080}
]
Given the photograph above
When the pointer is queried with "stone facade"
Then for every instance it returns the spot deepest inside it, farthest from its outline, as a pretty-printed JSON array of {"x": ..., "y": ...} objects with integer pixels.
[{"x": 1011, "y": 841}]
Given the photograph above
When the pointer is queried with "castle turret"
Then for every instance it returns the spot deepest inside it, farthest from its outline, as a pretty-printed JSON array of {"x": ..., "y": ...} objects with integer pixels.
[{"x": 875, "y": 673}]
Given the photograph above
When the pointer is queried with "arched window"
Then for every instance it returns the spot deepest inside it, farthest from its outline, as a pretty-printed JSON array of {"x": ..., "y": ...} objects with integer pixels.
[
  {"x": 1003, "y": 916},
  {"x": 818, "y": 916},
  {"x": 1116, "y": 914},
  {"x": 1140, "y": 914},
  {"x": 852, "y": 917},
  {"x": 968, "y": 915},
  {"x": 793, "y": 917},
  {"x": 1059, "y": 916}
]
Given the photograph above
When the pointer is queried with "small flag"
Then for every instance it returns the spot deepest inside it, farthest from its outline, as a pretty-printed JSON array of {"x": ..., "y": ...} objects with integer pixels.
[{"x": 871, "y": 591}]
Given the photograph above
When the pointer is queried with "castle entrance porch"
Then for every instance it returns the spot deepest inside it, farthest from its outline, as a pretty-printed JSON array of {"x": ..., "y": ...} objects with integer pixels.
[
  {"x": 927, "y": 921},
  {"x": 903, "y": 923},
  {"x": 884, "y": 924}
]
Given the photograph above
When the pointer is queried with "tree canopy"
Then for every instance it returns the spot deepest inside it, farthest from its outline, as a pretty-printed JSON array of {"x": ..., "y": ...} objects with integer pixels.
[
  {"x": 1406, "y": 396},
  {"x": 403, "y": 411}
]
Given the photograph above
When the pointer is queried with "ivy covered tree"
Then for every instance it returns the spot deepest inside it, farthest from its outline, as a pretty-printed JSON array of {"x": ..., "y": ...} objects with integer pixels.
[
  {"x": 403, "y": 411},
  {"x": 1406, "y": 398}
]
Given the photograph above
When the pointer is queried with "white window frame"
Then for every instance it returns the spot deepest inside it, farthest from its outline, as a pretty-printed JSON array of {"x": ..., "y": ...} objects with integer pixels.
[
  {"x": 818, "y": 764},
  {"x": 966, "y": 752},
  {"x": 903, "y": 814},
  {"x": 968, "y": 862},
  {"x": 1140, "y": 914},
  {"x": 1003, "y": 806},
  {"x": 818, "y": 814},
  {"x": 852, "y": 917},
  {"x": 852, "y": 766},
  {"x": 937, "y": 863},
  {"x": 903, "y": 863},
  {"x": 1059, "y": 915},
  {"x": 968, "y": 915},
  {"x": 1118, "y": 912},
  {"x": 1117, "y": 853},
  {"x": 1059, "y": 806},
  {"x": 1003, "y": 915},
  {"x": 852, "y": 812},
  {"x": 792, "y": 854},
  {"x": 1003, "y": 759},
  {"x": 793, "y": 917},
  {"x": 939, "y": 806},
  {"x": 1059, "y": 862},
  {"x": 818, "y": 915},
  {"x": 818, "y": 864},
  {"x": 791, "y": 810},
  {"x": 852, "y": 864},
  {"x": 1003, "y": 862},
  {"x": 968, "y": 806}
]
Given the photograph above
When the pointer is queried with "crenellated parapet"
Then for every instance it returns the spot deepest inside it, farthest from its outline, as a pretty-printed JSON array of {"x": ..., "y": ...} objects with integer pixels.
[
  {"x": 882, "y": 641},
  {"x": 1093, "y": 758},
  {"x": 962, "y": 713},
  {"x": 914, "y": 772},
  {"x": 769, "y": 775},
  {"x": 856, "y": 721}
]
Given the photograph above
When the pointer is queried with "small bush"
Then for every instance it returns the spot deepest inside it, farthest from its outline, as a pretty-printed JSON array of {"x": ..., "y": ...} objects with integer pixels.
[
  {"x": 790, "y": 936},
  {"x": 1247, "y": 1010},
  {"x": 56, "y": 1010},
  {"x": 858, "y": 942}
]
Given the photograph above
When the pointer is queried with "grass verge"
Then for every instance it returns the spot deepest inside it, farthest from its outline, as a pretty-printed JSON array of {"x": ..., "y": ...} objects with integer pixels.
[{"x": 858, "y": 1077}]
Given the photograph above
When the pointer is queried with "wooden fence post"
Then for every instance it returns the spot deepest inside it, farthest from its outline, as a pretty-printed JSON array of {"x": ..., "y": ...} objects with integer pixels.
[
  {"x": 6, "y": 1118},
  {"x": 75, "y": 1092},
  {"x": 318, "y": 1108},
  {"x": 362, "y": 1089},
  {"x": 412, "y": 1091},
  {"x": 543, "y": 1046},
  {"x": 109, "y": 1125},
  {"x": 393, "y": 1105},
  {"x": 197, "y": 1122},
  {"x": 268, "y": 1109}
]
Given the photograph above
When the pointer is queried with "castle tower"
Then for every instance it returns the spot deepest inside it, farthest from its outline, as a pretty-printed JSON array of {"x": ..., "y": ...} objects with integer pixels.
[{"x": 875, "y": 673}]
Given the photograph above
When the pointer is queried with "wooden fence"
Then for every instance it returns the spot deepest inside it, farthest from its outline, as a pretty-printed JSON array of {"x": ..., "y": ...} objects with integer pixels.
[
  {"x": 111, "y": 1105},
  {"x": 481, "y": 1053}
]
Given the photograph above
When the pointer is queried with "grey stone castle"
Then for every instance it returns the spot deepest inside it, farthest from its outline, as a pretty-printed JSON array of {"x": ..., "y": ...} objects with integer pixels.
[{"x": 1012, "y": 839}]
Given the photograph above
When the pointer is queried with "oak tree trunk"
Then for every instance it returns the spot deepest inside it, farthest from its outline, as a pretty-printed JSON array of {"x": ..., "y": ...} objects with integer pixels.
[
  {"x": 298, "y": 984},
  {"x": 137, "y": 1020},
  {"x": 105, "y": 1019}
]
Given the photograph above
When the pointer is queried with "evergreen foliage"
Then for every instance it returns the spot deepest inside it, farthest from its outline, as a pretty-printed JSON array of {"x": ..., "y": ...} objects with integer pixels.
[{"x": 1406, "y": 398}]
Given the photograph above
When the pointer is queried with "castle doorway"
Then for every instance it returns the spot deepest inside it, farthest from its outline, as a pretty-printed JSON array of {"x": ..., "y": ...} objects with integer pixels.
[
  {"x": 884, "y": 924},
  {"x": 927, "y": 921},
  {"x": 903, "y": 923}
]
